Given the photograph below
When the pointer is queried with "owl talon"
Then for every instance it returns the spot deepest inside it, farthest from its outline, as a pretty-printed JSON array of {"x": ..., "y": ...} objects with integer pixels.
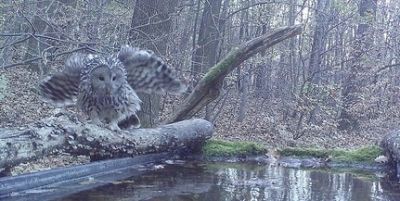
[
  {"x": 96, "y": 122},
  {"x": 114, "y": 127}
]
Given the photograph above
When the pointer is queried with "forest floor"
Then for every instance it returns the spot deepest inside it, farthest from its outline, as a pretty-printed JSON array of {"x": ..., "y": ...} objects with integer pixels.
[{"x": 21, "y": 105}]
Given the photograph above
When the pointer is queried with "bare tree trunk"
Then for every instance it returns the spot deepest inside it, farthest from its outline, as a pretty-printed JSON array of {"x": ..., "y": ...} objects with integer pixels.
[
  {"x": 243, "y": 90},
  {"x": 150, "y": 28},
  {"x": 262, "y": 77},
  {"x": 352, "y": 84},
  {"x": 241, "y": 74},
  {"x": 319, "y": 41},
  {"x": 34, "y": 46},
  {"x": 317, "y": 48},
  {"x": 206, "y": 52},
  {"x": 292, "y": 82}
]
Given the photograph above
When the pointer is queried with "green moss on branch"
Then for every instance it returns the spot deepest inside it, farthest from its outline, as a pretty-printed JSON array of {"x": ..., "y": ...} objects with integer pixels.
[{"x": 223, "y": 67}]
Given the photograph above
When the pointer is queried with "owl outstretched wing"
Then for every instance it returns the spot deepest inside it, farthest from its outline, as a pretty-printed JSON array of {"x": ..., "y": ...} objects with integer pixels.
[
  {"x": 146, "y": 72},
  {"x": 61, "y": 88}
]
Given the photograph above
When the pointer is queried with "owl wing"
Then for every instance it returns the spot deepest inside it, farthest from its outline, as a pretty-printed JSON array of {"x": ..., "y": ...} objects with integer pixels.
[
  {"x": 148, "y": 73},
  {"x": 61, "y": 88}
]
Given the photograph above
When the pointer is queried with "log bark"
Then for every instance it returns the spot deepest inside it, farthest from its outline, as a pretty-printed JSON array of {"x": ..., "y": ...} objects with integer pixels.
[
  {"x": 65, "y": 133},
  {"x": 209, "y": 86},
  {"x": 391, "y": 146}
]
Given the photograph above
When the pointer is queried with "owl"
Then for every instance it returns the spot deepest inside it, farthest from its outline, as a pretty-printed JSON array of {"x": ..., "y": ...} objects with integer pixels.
[{"x": 104, "y": 86}]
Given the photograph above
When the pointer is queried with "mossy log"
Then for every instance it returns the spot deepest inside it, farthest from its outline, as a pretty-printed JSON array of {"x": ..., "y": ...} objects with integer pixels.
[
  {"x": 208, "y": 88},
  {"x": 67, "y": 134}
]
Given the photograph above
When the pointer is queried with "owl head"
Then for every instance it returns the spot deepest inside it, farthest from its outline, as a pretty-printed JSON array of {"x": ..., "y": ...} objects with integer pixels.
[{"x": 107, "y": 75}]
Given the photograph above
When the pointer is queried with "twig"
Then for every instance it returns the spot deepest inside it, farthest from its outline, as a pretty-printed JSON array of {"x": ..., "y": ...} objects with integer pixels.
[{"x": 40, "y": 58}]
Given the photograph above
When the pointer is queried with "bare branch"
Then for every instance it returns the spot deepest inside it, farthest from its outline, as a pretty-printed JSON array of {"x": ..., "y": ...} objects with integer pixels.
[{"x": 52, "y": 56}]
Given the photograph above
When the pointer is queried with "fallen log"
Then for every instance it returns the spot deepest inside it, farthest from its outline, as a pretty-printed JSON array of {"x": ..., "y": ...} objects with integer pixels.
[{"x": 64, "y": 133}]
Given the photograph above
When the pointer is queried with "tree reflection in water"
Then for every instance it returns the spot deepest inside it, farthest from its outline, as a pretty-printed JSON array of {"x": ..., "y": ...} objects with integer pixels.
[{"x": 227, "y": 181}]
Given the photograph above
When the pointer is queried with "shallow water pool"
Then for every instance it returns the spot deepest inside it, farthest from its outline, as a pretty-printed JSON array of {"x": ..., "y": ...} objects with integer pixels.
[{"x": 193, "y": 181}]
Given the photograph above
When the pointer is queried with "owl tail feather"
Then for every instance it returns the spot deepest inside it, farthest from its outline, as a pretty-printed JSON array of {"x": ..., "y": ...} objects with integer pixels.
[{"x": 60, "y": 89}]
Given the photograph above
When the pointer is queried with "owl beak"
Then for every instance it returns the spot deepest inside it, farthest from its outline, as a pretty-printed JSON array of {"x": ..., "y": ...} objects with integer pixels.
[{"x": 108, "y": 90}]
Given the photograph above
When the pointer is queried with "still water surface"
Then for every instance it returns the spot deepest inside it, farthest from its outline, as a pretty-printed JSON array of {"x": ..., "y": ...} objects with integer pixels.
[{"x": 234, "y": 182}]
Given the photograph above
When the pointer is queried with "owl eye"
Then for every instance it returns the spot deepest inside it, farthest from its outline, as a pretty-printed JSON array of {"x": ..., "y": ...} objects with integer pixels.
[
  {"x": 114, "y": 78},
  {"x": 101, "y": 78}
]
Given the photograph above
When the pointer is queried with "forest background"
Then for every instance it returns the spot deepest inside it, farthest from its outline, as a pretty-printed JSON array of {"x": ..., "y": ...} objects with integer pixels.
[{"x": 335, "y": 85}]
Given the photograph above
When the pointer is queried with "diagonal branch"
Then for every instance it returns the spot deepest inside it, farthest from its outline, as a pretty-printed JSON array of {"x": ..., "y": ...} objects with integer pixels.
[{"x": 208, "y": 87}]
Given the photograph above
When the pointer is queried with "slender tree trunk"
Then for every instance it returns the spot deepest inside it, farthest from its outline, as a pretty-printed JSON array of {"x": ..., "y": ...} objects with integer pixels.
[
  {"x": 34, "y": 46},
  {"x": 241, "y": 74},
  {"x": 150, "y": 28},
  {"x": 262, "y": 77},
  {"x": 206, "y": 52},
  {"x": 318, "y": 47},
  {"x": 319, "y": 41},
  {"x": 208, "y": 38},
  {"x": 243, "y": 90},
  {"x": 292, "y": 50},
  {"x": 352, "y": 85}
]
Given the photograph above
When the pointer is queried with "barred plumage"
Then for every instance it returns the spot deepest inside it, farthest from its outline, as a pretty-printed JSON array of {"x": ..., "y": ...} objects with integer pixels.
[
  {"x": 148, "y": 73},
  {"x": 105, "y": 85},
  {"x": 63, "y": 87}
]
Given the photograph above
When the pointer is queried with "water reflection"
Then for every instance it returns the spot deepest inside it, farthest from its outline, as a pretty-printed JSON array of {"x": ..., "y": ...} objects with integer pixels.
[{"x": 231, "y": 182}]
